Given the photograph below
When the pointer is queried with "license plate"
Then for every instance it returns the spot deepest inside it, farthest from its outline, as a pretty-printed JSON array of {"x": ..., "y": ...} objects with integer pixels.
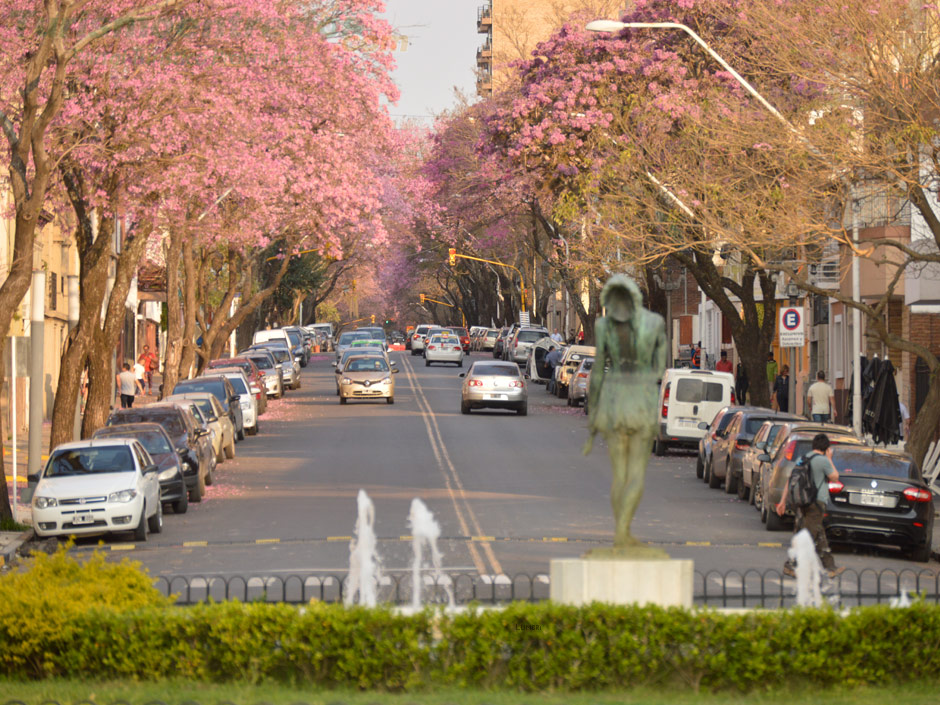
[
  {"x": 688, "y": 423},
  {"x": 83, "y": 519},
  {"x": 875, "y": 500},
  {"x": 495, "y": 397}
]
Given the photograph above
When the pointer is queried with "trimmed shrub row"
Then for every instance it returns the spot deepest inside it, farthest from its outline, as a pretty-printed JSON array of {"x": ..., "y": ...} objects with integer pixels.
[{"x": 525, "y": 647}]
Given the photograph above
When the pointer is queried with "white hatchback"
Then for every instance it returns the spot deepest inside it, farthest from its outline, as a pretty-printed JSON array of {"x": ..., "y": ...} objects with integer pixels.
[
  {"x": 443, "y": 348},
  {"x": 97, "y": 487}
]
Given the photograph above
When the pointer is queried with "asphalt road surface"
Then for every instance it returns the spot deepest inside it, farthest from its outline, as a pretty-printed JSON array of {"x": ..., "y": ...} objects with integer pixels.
[{"x": 509, "y": 492}]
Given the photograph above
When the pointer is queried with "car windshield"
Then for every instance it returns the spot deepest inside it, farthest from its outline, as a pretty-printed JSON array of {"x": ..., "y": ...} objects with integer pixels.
[
  {"x": 492, "y": 334},
  {"x": 366, "y": 344},
  {"x": 695, "y": 391},
  {"x": 495, "y": 370},
  {"x": 263, "y": 362},
  {"x": 214, "y": 387},
  {"x": 205, "y": 406},
  {"x": 168, "y": 418},
  {"x": 752, "y": 424},
  {"x": 295, "y": 338},
  {"x": 530, "y": 336},
  {"x": 90, "y": 461},
  {"x": 851, "y": 461},
  {"x": 371, "y": 364},
  {"x": 460, "y": 331},
  {"x": 280, "y": 354},
  {"x": 349, "y": 336},
  {"x": 153, "y": 441},
  {"x": 239, "y": 384},
  {"x": 587, "y": 365}
]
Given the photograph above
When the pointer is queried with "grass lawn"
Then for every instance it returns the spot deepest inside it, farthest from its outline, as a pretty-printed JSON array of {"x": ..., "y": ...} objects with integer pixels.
[{"x": 67, "y": 692}]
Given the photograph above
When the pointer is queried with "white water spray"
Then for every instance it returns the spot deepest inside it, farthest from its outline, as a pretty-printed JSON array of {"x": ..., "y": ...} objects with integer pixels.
[
  {"x": 425, "y": 531},
  {"x": 364, "y": 568},
  {"x": 808, "y": 569}
]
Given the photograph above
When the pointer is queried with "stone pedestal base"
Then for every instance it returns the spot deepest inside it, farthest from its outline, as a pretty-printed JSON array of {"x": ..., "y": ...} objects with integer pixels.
[{"x": 580, "y": 581}]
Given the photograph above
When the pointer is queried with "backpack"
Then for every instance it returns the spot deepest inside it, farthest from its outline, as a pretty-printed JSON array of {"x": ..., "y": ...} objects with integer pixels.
[{"x": 801, "y": 490}]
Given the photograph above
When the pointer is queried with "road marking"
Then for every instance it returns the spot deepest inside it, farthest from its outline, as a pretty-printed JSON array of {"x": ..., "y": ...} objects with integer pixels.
[
  {"x": 267, "y": 540},
  {"x": 188, "y": 544},
  {"x": 698, "y": 543},
  {"x": 482, "y": 538},
  {"x": 123, "y": 546},
  {"x": 554, "y": 539},
  {"x": 451, "y": 479},
  {"x": 770, "y": 544},
  {"x": 406, "y": 538},
  {"x": 339, "y": 538}
]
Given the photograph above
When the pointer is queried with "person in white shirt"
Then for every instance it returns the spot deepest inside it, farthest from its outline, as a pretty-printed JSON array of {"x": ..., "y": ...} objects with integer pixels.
[
  {"x": 821, "y": 399},
  {"x": 556, "y": 336},
  {"x": 905, "y": 425}
]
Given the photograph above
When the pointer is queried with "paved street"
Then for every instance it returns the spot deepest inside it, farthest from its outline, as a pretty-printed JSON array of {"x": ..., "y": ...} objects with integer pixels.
[{"x": 519, "y": 487}]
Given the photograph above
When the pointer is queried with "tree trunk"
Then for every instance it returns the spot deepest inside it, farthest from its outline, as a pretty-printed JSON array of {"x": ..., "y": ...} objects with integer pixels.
[
  {"x": 926, "y": 421},
  {"x": 174, "y": 324},
  {"x": 188, "y": 357}
]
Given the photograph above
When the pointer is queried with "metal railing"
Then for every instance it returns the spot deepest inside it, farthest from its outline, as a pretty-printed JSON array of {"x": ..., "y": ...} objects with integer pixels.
[{"x": 767, "y": 589}]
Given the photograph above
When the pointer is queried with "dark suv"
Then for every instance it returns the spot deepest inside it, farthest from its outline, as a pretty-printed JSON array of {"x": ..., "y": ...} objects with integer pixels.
[
  {"x": 221, "y": 389},
  {"x": 190, "y": 441}
]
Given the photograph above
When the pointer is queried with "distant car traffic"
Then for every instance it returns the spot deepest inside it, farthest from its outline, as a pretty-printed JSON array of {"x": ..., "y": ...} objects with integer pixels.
[
  {"x": 367, "y": 377},
  {"x": 495, "y": 385},
  {"x": 443, "y": 347}
]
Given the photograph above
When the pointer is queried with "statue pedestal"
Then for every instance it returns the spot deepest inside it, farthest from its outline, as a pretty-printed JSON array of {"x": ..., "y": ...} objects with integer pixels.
[{"x": 622, "y": 581}]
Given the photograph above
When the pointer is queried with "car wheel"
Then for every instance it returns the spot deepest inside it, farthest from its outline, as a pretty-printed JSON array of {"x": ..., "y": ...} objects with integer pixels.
[
  {"x": 181, "y": 505},
  {"x": 523, "y": 410},
  {"x": 252, "y": 430},
  {"x": 731, "y": 482},
  {"x": 140, "y": 533},
  {"x": 922, "y": 554},
  {"x": 755, "y": 492},
  {"x": 241, "y": 434},
  {"x": 743, "y": 490},
  {"x": 774, "y": 522},
  {"x": 230, "y": 449},
  {"x": 427, "y": 363},
  {"x": 342, "y": 400},
  {"x": 210, "y": 476},
  {"x": 699, "y": 468},
  {"x": 220, "y": 456},
  {"x": 155, "y": 523},
  {"x": 196, "y": 493},
  {"x": 659, "y": 447},
  {"x": 713, "y": 480},
  {"x": 390, "y": 400},
  {"x": 464, "y": 407},
  {"x": 460, "y": 364}
]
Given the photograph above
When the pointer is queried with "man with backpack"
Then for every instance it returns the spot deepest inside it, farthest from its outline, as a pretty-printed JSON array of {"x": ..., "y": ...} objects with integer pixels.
[{"x": 806, "y": 493}]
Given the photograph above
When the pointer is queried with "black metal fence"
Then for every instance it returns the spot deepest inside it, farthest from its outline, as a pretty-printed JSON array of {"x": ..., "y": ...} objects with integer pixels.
[{"x": 749, "y": 589}]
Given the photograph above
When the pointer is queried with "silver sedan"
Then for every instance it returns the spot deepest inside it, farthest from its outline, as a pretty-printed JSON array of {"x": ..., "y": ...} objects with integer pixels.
[{"x": 497, "y": 385}]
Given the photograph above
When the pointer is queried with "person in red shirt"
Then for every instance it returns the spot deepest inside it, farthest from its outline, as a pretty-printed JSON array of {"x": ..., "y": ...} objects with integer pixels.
[
  {"x": 149, "y": 361},
  {"x": 724, "y": 364}
]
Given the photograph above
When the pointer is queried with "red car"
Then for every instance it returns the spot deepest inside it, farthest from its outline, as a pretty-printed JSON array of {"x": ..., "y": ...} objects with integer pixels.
[
  {"x": 464, "y": 337},
  {"x": 251, "y": 372}
]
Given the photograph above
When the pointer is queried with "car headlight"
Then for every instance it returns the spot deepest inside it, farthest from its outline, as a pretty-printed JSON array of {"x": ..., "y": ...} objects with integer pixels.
[
  {"x": 122, "y": 496},
  {"x": 45, "y": 502},
  {"x": 169, "y": 473},
  {"x": 346, "y": 380},
  {"x": 387, "y": 380}
]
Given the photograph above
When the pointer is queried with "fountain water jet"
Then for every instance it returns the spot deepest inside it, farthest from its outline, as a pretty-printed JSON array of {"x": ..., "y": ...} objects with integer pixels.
[
  {"x": 425, "y": 531},
  {"x": 364, "y": 565},
  {"x": 808, "y": 570}
]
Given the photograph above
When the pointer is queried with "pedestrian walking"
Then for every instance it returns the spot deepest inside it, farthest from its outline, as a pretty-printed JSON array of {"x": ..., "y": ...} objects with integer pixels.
[
  {"x": 771, "y": 371},
  {"x": 553, "y": 359},
  {"x": 556, "y": 336},
  {"x": 741, "y": 384},
  {"x": 724, "y": 364},
  {"x": 781, "y": 390},
  {"x": 821, "y": 399},
  {"x": 150, "y": 362},
  {"x": 128, "y": 386},
  {"x": 697, "y": 356},
  {"x": 810, "y": 516}
]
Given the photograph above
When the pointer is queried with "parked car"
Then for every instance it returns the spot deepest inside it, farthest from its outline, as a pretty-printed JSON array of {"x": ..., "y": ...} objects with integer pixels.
[
  {"x": 169, "y": 465},
  {"x": 366, "y": 377},
  {"x": 880, "y": 499},
  {"x": 536, "y": 367},
  {"x": 263, "y": 336},
  {"x": 443, "y": 348},
  {"x": 495, "y": 385},
  {"x": 687, "y": 398},
  {"x": 488, "y": 340},
  {"x": 417, "y": 338},
  {"x": 252, "y": 372},
  {"x": 290, "y": 368},
  {"x": 500, "y": 343},
  {"x": 216, "y": 416},
  {"x": 248, "y": 394},
  {"x": 523, "y": 339},
  {"x": 267, "y": 365},
  {"x": 191, "y": 443},
  {"x": 578, "y": 388},
  {"x": 793, "y": 441},
  {"x": 712, "y": 432},
  {"x": 221, "y": 389},
  {"x": 728, "y": 449},
  {"x": 750, "y": 465},
  {"x": 98, "y": 486},
  {"x": 568, "y": 365}
]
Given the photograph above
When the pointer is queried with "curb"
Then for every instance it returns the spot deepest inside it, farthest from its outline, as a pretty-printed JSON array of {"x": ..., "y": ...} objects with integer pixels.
[{"x": 8, "y": 554}]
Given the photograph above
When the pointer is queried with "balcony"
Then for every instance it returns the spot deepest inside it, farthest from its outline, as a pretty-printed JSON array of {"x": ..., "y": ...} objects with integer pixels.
[
  {"x": 485, "y": 55},
  {"x": 484, "y": 86},
  {"x": 485, "y": 19}
]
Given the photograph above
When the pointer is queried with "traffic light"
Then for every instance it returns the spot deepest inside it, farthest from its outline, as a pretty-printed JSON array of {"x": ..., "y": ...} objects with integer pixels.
[
  {"x": 373, "y": 318},
  {"x": 422, "y": 298},
  {"x": 452, "y": 256}
]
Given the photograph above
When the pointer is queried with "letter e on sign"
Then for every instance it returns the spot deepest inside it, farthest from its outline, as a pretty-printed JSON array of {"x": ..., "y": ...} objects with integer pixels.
[{"x": 791, "y": 328}]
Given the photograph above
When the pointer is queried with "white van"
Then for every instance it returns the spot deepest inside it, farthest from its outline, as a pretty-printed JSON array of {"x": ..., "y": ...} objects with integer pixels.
[
  {"x": 263, "y": 336},
  {"x": 688, "y": 397}
]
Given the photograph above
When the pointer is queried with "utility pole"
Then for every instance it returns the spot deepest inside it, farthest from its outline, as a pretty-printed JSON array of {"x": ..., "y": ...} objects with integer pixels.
[{"x": 37, "y": 324}]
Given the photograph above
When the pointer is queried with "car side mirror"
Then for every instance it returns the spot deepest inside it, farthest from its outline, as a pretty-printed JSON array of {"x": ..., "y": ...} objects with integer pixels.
[
  {"x": 150, "y": 469},
  {"x": 393, "y": 363},
  {"x": 338, "y": 371},
  {"x": 233, "y": 398},
  {"x": 395, "y": 371},
  {"x": 213, "y": 419},
  {"x": 764, "y": 458},
  {"x": 202, "y": 432},
  {"x": 527, "y": 376},
  {"x": 462, "y": 374},
  {"x": 703, "y": 426}
]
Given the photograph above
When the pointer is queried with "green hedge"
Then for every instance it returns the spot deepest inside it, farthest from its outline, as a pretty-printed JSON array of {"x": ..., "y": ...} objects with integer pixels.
[
  {"x": 62, "y": 619},
  {"x": 590, "y": 648}
]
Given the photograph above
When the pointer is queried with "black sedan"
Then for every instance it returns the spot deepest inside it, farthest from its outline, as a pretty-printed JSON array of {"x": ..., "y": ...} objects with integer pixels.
[
  {"x": 880, "y": 499},
  {"x": 169, "y": 466}
]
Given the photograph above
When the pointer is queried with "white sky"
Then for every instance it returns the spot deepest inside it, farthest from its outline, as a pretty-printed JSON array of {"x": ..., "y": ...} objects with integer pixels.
[{"x": 441, "y": 54}]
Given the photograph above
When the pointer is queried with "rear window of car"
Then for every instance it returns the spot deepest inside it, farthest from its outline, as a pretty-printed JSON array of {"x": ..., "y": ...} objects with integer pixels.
[
  {"x": 492, "y": 333},
  {"x": 752, "y": 424},
  {"x": 867, "y": 463},
  {"x": 168, "y": 418},
  {"x": 531, "y": 336},
  {"x": 460, "y": 331},
  {"x": 154, "y": 442},
  {"x": 496, "y": 370},
  {"x": 196, "y": 385},
  {"x": 90, "y": 461},
  {"x": 694, "y": 391}
]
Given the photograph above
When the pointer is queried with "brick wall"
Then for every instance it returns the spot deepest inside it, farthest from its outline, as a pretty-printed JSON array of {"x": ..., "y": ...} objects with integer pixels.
[{"x": 924, "y": 330}]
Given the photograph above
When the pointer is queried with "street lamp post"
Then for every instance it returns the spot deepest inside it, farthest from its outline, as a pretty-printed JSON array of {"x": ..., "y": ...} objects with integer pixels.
[{"x": 612, "y": 26}]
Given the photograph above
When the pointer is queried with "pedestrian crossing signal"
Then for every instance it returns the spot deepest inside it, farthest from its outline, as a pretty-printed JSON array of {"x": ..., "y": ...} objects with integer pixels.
[{"x": 452, "y": 256}]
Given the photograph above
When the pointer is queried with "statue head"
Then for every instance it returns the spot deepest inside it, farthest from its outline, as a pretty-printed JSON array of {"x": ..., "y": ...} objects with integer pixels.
[{"x": 621, "y": 298}]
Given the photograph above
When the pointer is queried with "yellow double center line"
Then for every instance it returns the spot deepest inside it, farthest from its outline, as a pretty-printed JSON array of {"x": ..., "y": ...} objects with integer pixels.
[{"x": 452, "y": 483}]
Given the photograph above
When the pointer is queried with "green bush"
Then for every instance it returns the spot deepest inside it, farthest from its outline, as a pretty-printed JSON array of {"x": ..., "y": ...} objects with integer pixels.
[{"x": 62, "y": 619}]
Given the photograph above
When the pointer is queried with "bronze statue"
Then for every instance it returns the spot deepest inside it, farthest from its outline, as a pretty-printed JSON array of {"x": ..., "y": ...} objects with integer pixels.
[{"x": 623, "y": 401}]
